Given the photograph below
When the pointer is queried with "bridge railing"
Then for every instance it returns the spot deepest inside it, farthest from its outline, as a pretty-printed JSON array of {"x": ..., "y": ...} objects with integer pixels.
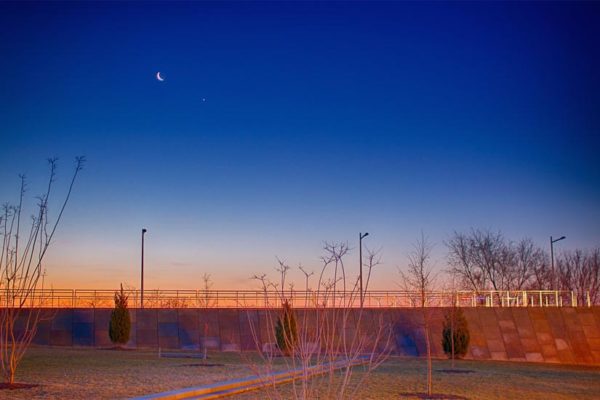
[{"x": 87, "y": 298}]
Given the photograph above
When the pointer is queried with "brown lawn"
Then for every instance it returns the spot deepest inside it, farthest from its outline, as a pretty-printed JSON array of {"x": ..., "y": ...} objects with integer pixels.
[{"x": 83, "y": 373}]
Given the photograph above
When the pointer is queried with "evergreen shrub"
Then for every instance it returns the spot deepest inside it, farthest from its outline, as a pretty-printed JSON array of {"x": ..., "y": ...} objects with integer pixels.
[
  {"x": 120, "y": 321},
  {"x": 286, "y": 331},
  {"x": 455, "y": 320}
]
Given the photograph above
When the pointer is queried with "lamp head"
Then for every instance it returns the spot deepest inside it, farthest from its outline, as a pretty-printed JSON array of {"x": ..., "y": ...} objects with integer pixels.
[
  {"x": 144, "y": 230},
  {"x": 556, "y": 240}
]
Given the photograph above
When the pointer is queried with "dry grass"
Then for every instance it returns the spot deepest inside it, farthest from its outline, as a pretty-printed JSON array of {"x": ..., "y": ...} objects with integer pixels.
[
  {"x": 108, "y": 374},
  {"x": 80, "y": 373},
  {"x": 488, "y": 380}
]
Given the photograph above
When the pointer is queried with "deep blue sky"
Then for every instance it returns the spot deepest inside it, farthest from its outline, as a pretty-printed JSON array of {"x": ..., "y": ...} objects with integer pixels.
[{"x": 320, "y": 120}]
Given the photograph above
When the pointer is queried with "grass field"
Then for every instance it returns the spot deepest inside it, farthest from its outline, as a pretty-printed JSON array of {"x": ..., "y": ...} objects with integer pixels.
[
  {"x": 109, "y": 374},
  {"x": 399, "y": 377},
  {"x": 77, "y": 373}
]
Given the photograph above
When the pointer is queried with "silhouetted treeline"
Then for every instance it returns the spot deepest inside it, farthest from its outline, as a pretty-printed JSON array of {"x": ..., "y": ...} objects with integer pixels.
[
  {"x": 579, "y": 270},
  {"x": 484, "y": 260}
]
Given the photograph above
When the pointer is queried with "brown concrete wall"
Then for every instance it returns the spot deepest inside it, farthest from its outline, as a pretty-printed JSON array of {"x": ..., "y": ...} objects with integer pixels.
[{"x": 554, "y": 335}]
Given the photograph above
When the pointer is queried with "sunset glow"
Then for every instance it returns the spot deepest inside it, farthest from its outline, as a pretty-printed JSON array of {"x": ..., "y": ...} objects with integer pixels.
[{"x": 273, "y": 127}]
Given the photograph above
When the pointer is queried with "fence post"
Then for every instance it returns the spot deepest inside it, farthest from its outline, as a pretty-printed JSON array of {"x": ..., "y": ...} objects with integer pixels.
[
  {"x": 524, "y": 298},
  {"x": 556, "y": 298},
  {"x": 589, "y": 300}
]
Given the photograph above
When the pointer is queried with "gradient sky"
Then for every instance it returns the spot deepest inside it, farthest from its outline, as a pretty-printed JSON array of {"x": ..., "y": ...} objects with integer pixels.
[{"x": 320, "y": 120}]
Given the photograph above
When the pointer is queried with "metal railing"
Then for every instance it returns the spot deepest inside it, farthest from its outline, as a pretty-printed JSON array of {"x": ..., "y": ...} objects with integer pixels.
[{"x": 85, "y": 298}]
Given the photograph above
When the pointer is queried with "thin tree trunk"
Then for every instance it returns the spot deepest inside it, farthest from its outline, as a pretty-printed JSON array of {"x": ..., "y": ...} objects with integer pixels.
[
  {"x": 453, "y": 315},
  {"x": 13, "y": 365},
  {"x": 429, "y": 367}
]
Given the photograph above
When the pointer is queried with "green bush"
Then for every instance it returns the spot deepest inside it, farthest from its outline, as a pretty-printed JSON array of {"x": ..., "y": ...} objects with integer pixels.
[
  {"x": 120, "y": 321},
  {"x": 455, "y": 320},
  {"x": 286, "y": 331}
]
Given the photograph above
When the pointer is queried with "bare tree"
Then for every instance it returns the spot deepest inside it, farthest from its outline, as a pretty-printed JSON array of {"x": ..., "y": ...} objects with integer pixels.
[
  {"x": 207, "y": 285},
  {"x": 22, "y": 272},
  {"x": 420, "y": 279},
  {"x": 579, "y": 271},
  {"x": 462, "y": 264},
  {"x": 484, "y": 260},
  {"x": 527, "y": 259},
  {"x": 331, "y": 328},
  {"x": 487, "y": 261},
  {"x": 489, "y": 252},
  {"x": 543, "y": 276}
]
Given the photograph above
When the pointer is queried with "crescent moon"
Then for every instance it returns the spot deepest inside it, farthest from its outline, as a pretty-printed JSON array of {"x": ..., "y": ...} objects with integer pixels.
[{"x": 160, "y": 78}]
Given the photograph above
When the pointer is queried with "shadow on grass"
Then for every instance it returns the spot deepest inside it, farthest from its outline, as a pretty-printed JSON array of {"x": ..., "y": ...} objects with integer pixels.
[
  {"x": 455, "y": 371},
  {"x": 16, "y": 386},
  {"x": 433, "y": 396},
  {"x": 202, "y": 365},
  {"x": 117, "y": 348}
]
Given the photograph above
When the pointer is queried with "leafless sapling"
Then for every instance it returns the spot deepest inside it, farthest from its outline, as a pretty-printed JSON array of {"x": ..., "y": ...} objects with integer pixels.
[
  {"x": 419, "y": 278},
  {"x": 22, "y": 270}
]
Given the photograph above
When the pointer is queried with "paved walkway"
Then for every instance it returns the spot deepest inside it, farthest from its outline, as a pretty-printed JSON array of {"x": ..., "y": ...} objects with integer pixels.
[{"x": 236, "y": 386}]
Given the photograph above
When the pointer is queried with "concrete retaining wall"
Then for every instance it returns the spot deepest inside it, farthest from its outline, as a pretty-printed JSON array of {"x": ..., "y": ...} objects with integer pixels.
[{"x": 557, "y": 335}]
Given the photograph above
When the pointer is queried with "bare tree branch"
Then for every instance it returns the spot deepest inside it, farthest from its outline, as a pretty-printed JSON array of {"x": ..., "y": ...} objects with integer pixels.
[{"x": 22, "y": 272}]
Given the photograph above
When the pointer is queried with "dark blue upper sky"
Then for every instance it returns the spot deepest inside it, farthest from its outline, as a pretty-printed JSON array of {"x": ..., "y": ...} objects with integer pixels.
[{"x": 319, "y": 120}]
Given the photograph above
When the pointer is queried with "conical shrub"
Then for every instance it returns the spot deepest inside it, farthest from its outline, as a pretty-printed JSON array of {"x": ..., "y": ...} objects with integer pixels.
[
  {"x": 455, "y": 324},
  {"x": 120, "y": 321},
  {"x": 286, "y": 331}
]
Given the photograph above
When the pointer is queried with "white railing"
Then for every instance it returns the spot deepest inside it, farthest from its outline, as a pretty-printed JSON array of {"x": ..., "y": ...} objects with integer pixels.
[{"x": 85, "y": 298}]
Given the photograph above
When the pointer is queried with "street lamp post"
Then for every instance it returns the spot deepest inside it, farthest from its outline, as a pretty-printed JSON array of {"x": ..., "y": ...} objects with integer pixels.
[
  {"x": 360, "y": 238},
  {"x": 142, "y": 290},
  {"x": 552, "y": 241}
]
